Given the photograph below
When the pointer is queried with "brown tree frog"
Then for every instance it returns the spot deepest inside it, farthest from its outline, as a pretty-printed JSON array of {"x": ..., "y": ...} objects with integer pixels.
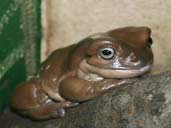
[{"x": 84, "y": 71}]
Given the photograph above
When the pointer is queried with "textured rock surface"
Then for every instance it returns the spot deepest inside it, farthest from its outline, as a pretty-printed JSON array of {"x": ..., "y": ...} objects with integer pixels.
[
  {"x": 143, "y": 103},
  {"x": 66, "y": 22}
]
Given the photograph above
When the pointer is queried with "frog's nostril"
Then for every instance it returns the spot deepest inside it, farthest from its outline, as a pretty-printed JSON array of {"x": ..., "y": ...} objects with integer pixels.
[{"x": 149, "y": 42}]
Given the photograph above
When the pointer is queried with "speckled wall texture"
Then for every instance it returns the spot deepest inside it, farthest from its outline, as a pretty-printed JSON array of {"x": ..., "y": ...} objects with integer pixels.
[{"x": 67, "y": 21}]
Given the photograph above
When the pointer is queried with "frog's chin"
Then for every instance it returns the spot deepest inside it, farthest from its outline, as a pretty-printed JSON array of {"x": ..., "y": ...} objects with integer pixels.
[{"x": 114, "y": 73}]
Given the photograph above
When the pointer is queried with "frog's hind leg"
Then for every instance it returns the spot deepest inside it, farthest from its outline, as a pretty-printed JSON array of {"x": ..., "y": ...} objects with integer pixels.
[{"x": 75, "y": 89}]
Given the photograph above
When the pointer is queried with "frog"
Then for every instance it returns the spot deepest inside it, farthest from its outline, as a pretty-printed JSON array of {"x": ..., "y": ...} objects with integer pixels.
[{"x": 83, "y": 71}]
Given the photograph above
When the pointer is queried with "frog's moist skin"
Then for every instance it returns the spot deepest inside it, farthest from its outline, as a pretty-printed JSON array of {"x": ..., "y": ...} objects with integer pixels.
[{"x": 84, "y": 71}]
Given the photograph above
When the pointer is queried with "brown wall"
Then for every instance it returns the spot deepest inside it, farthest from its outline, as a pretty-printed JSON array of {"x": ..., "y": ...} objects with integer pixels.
[{"x": 67, "y": 21}]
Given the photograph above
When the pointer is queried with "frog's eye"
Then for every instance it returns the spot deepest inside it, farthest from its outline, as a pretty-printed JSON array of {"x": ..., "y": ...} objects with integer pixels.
[
  {"x": 107, "y": 53},
  {"x": 149, "y": 43}
]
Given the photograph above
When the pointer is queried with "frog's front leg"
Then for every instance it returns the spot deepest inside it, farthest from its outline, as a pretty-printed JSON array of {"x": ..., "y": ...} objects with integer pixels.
[{"x": 76, "y": 89}]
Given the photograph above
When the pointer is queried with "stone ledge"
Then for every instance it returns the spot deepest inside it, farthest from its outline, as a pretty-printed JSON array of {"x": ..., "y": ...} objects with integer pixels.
[{"x": 143, "y": 103}]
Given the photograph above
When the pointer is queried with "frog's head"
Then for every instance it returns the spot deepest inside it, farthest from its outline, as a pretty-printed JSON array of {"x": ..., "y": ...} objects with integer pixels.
[{"x": 120, "y": 53}]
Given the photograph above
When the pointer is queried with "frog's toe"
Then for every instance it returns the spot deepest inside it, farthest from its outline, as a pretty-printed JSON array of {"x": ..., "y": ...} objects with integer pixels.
[
  {"x": 70, "y": 104},
  {"x": 61, "y": 112}
]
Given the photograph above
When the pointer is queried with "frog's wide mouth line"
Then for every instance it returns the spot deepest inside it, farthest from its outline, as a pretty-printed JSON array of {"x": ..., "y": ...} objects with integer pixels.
[
  {"x": 114, "y": 73},
  {"x": 128, "y": 73}
]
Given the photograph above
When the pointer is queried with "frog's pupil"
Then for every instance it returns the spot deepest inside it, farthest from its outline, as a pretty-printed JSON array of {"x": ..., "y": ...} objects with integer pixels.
[{"x": 106, "y": 52}]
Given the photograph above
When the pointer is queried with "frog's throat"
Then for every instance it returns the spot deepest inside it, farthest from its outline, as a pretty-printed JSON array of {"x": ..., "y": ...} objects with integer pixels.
[{"x": 85, "y": 68}]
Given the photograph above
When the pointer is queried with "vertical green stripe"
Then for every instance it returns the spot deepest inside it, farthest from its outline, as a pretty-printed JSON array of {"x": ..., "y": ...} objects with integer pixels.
[{"x": 31, "y": 42}]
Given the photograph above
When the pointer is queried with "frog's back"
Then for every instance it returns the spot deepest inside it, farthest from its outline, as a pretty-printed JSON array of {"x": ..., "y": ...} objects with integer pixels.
[{"x": 56, "y": 64}]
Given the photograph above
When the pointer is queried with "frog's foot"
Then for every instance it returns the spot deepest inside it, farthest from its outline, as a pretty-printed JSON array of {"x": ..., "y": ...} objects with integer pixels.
[
  {"x": 49, "y": 110},
  {"x": 61, "y": 111}
]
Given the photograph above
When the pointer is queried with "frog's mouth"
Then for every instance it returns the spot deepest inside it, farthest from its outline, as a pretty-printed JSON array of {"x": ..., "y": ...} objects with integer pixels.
[{"x": 86, "y": 68}]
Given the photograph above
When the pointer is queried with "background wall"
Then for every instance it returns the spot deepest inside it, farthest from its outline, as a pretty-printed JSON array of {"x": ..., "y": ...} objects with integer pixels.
[{"x": 66, "y": 22}]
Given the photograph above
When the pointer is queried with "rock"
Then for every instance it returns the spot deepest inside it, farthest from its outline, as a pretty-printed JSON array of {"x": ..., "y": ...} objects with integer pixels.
[{"x": 143, "y": 103}]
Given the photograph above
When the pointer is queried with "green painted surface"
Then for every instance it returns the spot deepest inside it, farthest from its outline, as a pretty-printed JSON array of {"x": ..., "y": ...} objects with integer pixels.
[{"x": 20, "y": 35}]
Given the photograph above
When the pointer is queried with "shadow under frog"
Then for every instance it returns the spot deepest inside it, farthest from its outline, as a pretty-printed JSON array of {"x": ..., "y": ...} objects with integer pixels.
[{"x": 84, "y": 71}]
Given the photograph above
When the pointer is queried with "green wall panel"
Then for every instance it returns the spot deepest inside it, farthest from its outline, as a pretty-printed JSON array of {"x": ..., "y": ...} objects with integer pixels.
[{"x": 20, "y": 35}]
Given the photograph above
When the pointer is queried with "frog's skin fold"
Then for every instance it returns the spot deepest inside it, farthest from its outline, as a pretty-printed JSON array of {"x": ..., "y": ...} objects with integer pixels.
[{"x": 84, "y": 71}]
